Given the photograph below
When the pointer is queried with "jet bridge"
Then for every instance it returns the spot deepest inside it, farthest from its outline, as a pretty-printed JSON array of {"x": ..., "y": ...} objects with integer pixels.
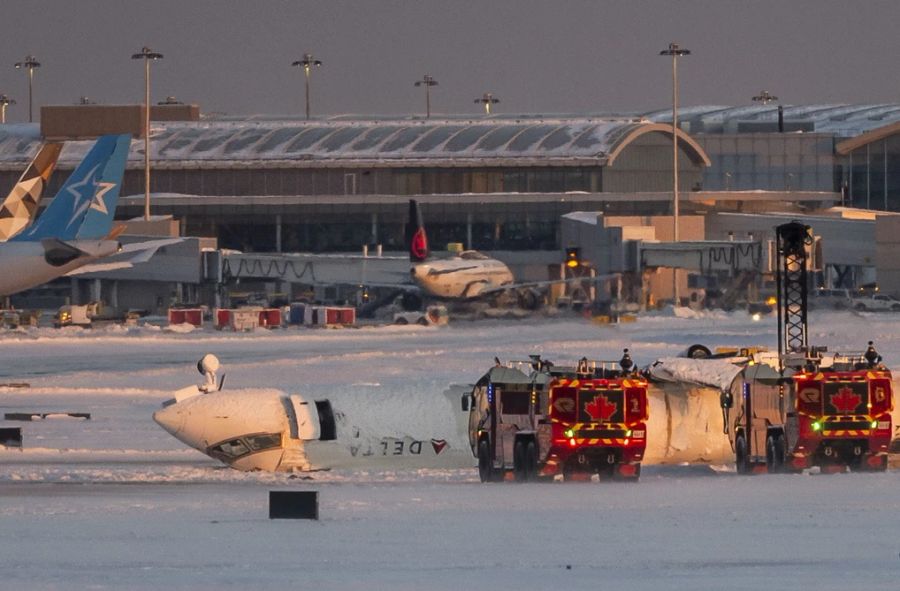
[
  {"x": 707, "y": 256},
  {"x": 313, "y": 269}
]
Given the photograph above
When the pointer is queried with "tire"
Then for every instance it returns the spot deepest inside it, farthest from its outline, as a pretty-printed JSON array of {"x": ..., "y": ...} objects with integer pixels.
[
  {"x": 775, "y": 454},
  {"x": 519, "y": 469},
  {"x": 422, "y": 321},
  {"x": 531, "y": 462},
  {"x": 741, "y": 455},
  {"x": 860, "y": 307},
  {"x": 698, "y": 352},
  {"x": 485, "y": 464},
  {"x": 401, "y": 321},
  {"x": 895, "y": 308}
]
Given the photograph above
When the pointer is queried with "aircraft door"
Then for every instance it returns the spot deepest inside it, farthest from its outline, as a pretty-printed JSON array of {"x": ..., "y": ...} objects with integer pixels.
[{"x": 307, "y": 417}]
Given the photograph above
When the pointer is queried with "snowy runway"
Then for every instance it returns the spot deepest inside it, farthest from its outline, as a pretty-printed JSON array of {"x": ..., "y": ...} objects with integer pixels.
[{"x": 115, "y": 502}]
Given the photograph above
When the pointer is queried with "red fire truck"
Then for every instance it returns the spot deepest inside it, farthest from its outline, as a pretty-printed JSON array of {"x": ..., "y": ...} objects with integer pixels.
[
  {"x": 535, "y": 419},
  {"x": 804, "y": 407},
  {"x": 827, "y": 411}
]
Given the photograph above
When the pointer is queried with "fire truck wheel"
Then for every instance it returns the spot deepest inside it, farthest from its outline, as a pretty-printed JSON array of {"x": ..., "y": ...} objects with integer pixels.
[
  {"x": 519, "y": 469},
  {"x": 775, "y": 453},
  {"x": 741, "y": 457},
  {"x": 485, "y": 466},
  {"x": 530, "y": 462}
]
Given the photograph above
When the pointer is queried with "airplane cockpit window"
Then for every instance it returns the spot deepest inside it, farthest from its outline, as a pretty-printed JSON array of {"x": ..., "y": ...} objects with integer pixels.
[
  {"x": 241, "y": 446},
  {"x": 228, "y": 450},
  {"x": 472, "y": 255},
  {"x": 260, "y": 442}
]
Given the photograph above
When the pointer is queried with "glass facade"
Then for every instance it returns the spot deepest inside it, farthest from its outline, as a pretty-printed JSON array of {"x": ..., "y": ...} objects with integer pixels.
[
  {"x": 871, "y": 175},
  {"x": 769, "y": 161}
]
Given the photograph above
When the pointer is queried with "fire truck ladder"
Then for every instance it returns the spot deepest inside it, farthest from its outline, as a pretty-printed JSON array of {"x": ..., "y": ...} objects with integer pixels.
[{"x": 793, "y": 239}]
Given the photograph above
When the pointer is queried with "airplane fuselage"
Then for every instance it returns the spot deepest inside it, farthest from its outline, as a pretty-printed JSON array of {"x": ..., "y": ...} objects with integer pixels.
[
  {"x": 463, "y": 277},
  {"x": 31, "y": 263},
  {"x": 271, "y": 430}
]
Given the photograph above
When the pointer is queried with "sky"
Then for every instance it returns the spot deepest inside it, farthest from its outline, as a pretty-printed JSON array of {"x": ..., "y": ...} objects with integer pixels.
[{"x": 568, "y": 56}]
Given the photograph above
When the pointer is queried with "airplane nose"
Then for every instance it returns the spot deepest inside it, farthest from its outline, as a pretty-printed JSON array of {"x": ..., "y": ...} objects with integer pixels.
[{"x": 170, "y": 419}]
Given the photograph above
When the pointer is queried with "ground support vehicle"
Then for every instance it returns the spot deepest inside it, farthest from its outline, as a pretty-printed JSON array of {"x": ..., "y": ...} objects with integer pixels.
[
  {"x": 537, "y": 420},
  {"x": 876, "y": 303}
]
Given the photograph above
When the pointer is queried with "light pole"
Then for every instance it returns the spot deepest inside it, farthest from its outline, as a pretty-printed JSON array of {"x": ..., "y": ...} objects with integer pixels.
[
  {"x": 307, "y": 63},
  {"x": 675, "y": 51},
  {"x": 427, "y": 81},
  {"x": 487, "y": 99},
  {"x": 147, "y": 55},
  {"x": 765, "y": 98},
  {"x": 5, "y": 101},
  {"x": 29, "y": 64}
]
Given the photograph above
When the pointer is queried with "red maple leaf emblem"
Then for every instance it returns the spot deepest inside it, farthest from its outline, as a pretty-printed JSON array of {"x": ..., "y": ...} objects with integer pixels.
[
  {"x": 600, "y": 408},
  {"x": 845, "y": 400}
]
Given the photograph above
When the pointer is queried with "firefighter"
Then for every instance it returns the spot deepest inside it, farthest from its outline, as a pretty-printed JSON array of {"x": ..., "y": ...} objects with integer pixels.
[{"x": 871, "y": 356}]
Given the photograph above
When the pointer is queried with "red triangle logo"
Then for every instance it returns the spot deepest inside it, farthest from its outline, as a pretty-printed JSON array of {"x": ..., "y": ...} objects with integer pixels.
[{"x": 438, "y": 445}]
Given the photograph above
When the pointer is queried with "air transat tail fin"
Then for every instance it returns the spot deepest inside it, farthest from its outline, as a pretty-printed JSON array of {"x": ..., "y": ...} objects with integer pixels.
[
  {"x": 415, "y": 234},
  {"x": 19, "y": 208},
  {"x": 85, "y": 204},
  {"x": 98, "y": 220}
]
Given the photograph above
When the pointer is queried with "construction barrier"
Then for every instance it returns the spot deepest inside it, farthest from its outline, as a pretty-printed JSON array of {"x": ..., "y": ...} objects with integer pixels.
[
  {"x": 240, "y": 319},
  {"x": 192, "y": 316}
]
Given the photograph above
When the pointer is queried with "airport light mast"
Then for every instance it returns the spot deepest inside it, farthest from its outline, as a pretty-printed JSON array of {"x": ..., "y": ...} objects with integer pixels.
[
  {"x": 765, "y": 98},
  {"x": 427, "y": 81},
  {"x": 487, "y": 99},
  {"x": 29, "y": 64},
  {"x": 5, "y": 101},
  {"x": 675, "y": 51},
  {"x": 147, "y": 55},
  {"x": 307, "y": 63}
]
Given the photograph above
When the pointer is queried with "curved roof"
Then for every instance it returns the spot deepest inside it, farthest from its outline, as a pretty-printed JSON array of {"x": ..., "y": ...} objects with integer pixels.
[
  {"x": 414, "y": 142},
  {"x": 847, "y": 146}
]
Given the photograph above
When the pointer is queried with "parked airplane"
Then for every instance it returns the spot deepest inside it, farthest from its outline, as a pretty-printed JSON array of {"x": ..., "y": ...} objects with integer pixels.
[
  {"x": 470, "y": 274},
  {"x": 76, "y": 228},
  {"x": 19, "y": 208},
  {"x": 267, "y": 429}
]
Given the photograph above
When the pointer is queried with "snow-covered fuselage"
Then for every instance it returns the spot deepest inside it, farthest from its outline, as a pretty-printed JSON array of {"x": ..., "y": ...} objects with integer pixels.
[
  {"x": 28, "y": 264},
  {"x": 271, "y": 430},
  {"x": 466, "y": 276}
]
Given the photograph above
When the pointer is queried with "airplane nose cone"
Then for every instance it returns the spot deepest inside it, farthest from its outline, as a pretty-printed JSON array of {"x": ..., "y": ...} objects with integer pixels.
[{"x": 170, "y": 419}]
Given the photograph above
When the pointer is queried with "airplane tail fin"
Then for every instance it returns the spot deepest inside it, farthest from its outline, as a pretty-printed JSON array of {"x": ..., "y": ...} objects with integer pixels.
[
  {"x": 19, "y": 208},
  {"x": 84, "y": 205},
  {"x": 98, "y": 221},
  {"x": 416, "y": 237}
]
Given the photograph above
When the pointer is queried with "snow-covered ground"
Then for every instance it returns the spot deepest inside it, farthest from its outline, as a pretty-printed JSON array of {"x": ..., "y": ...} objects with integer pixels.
[{"x": 115, "y": 502}]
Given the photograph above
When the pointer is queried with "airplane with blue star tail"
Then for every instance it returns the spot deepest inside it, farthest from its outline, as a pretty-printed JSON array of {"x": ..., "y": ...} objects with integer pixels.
[
  {"x": 76, "y": 228},
  {"x": 83, "y": 208}
]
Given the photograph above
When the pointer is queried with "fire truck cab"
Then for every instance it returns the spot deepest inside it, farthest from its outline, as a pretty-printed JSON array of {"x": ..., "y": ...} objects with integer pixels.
[
  {"x": 535, "y": 419},
  {"x": 827, "y": 411}
]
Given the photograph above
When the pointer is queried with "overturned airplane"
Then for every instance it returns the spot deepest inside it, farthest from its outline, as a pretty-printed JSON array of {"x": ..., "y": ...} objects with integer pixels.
[{"x": 272, "y": 430}]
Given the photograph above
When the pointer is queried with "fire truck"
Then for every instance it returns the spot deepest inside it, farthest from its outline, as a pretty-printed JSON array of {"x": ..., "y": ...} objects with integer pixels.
[
  {"x": 806, "y": 407},
  {"x": 538, "y": 420}
]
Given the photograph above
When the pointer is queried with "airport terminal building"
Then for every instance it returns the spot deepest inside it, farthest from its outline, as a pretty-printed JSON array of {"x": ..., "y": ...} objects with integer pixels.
[{"x": 499, "y": 183}]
